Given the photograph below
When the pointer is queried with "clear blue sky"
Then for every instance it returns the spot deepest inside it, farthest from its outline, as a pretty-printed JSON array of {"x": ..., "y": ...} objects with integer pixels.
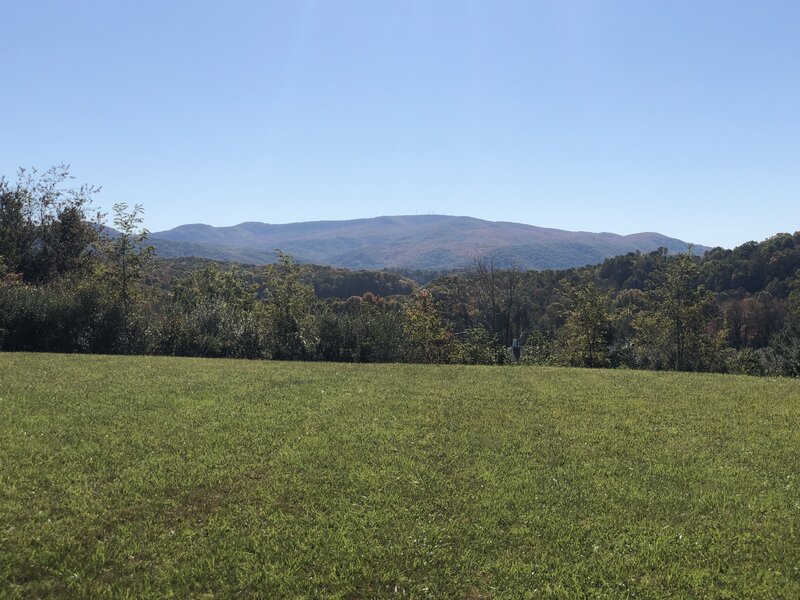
[{"x": 675, "y": 116}]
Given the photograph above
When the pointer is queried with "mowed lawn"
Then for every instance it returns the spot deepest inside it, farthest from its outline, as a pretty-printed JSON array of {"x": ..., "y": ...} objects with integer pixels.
[{"x": 158, "y": 477}]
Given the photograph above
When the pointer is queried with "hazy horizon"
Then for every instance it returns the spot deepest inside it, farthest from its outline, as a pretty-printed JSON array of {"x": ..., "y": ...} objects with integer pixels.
[{"x": 188, "y": 223}]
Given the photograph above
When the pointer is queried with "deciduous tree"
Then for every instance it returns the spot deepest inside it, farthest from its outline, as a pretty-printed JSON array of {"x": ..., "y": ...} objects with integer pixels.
[
  {"x": 287, "y": 309},
  {"x": 587, "y": 330},
  {"x": 671, "y": 331}
]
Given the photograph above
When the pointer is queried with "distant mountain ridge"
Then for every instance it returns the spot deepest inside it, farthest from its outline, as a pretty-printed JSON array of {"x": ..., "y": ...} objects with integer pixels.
[{"x": 433, "y": 242}]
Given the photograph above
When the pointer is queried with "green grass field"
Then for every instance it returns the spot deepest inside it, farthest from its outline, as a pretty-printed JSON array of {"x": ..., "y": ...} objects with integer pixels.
[{"x": 159, "y": 477}]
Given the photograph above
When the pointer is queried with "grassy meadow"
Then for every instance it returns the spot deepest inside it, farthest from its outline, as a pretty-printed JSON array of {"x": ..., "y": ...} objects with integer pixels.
[{"x": 162, "y": 477}]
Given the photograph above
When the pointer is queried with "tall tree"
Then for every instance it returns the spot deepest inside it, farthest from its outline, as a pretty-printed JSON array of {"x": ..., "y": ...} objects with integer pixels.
[
  {"x": 587, "y": 327},
  {"x": 427, "y": 338},
  {"x": 127, "y": 253},
  {"x": 498, "y": 297},
  {"x": 287, "y": 309},
  {"x": 671, "y": 332},
  {"x": 16, "y": 233},
  {"x": 44, "y": 227},
  {"x": 127, "y": 257}
]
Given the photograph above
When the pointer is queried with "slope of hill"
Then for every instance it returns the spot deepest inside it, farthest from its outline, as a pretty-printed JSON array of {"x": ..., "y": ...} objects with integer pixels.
[{"x": 413, "y": 242}]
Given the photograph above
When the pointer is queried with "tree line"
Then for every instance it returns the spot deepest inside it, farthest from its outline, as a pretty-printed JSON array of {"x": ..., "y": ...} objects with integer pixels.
[{"x": 70, "y": 284}]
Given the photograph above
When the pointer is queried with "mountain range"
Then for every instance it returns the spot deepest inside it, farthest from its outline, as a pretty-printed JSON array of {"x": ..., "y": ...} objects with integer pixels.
[{"x": 427, "y": 242}]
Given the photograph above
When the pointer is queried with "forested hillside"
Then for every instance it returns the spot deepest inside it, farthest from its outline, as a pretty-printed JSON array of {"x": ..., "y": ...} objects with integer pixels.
[
  {"x": 68, "y": 287},
  {"x": 428, "y": 242}
]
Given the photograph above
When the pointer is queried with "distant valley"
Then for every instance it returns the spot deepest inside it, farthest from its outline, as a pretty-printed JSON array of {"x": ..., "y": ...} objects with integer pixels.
[{"x": 426, "y": 242}]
